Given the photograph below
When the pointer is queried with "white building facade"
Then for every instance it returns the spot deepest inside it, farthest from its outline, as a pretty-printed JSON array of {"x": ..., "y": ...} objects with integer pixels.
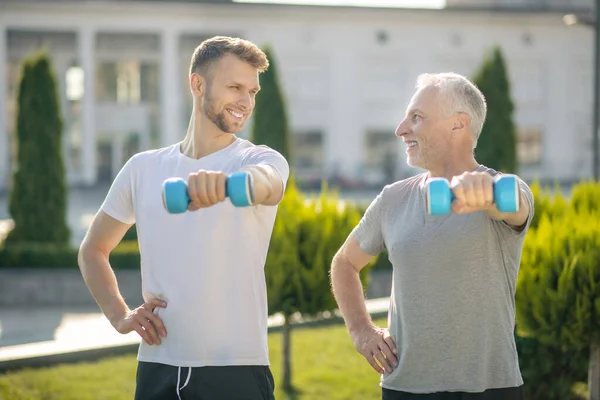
[{"x": 347, "y": 75}]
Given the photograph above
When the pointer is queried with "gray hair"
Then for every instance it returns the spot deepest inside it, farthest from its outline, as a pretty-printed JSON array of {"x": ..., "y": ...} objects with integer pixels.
[{"x": 461, "y": 95}]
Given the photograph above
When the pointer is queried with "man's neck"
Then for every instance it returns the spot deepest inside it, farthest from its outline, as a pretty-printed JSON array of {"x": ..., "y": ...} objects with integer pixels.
[
  {"x": 453, "y": 168},
  {"x": 204, "y": 138}
]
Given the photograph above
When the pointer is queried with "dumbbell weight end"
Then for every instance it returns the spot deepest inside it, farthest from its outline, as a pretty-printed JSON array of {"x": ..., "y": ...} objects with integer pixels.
[
  {"x": 238, "y": 188},
  {"x": 439, "y": 197}
]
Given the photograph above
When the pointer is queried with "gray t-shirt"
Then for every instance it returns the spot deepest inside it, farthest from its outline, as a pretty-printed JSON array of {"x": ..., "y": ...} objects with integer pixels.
[{"x": 452, "y": 306}]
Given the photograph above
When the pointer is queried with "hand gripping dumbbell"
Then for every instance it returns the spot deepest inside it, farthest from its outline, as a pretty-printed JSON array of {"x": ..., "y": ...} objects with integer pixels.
[
  {"x": 439, "y": 196},
  {"x": 238, "y": 188}
]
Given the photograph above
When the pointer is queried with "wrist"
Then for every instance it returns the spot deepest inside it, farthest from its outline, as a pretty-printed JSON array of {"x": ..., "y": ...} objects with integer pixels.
[
  {"x": 260, "y": 186},
  {"x": 493, "y": 213},
  {"x": 357, "y": 327},
  {"x": 116, "y": 314}
]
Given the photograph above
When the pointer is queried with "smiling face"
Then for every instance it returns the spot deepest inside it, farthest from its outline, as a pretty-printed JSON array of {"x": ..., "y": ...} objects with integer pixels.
[
  {"x": 228, "y": 97},
  {"x": 426, "y": 129}
]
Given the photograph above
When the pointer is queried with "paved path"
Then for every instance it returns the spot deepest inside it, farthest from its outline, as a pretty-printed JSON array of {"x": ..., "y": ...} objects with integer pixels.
[{"x": 46, "y": 336}]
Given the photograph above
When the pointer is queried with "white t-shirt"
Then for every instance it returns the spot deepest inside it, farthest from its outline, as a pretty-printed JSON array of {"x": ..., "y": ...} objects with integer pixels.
[{"x": 208, "y": 265}]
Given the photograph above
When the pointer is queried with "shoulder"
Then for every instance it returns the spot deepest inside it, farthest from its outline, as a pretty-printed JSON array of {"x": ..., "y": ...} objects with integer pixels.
[
  {"x": 394, "y": 192},
  {"x": 251, "y": 153},
  {"x": 249, "y": 148},
  {"x": 151, "y": 156},
  {"x": 404, "y": 186}
]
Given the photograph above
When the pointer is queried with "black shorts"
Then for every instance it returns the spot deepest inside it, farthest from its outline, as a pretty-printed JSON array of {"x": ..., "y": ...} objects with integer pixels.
[
  {"x": 164, "y": 382},
  {"x": 512, "y": 393}
]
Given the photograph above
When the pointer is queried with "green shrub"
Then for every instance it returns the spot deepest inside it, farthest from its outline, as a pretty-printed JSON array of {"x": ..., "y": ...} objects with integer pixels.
[
  {"x": 307, "y": 234},
  {"x": 586, "y": 197},
  {"x": 270, "y": 125},
  {"x": 131, "y": 234},
  {"x": 37, "y": 255},
  {"x": 558, "y": 291},
  {"x": 550, "y": 372},
  {"x": 496, "y": 146},
  {"x": 38, "y": 198},
  {"x": 548, "y": 203},
  {"x": 48, "y": 255}
]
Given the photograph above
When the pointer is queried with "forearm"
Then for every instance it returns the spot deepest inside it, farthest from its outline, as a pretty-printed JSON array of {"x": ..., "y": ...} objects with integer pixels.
[
  {"x": 266, "y": 184},
  {"x": 514, "y": 219},
  {"x": 348, "y": 292},
  {"x": 102, "y": 282}
]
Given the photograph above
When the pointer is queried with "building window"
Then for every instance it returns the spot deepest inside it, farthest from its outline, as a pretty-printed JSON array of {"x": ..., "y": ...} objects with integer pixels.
[
  {"x": 127, "y": 82},
  {"x": 74, "y": 91},
  {"x": 75, "y": 83},
  {"x": 308, "y": 161},
  {"x": 378, "y": 144},
  {"x": 529, "y": 146},
  {"x": 380, "y": 158},
  {"x": 308, "y": 151}
]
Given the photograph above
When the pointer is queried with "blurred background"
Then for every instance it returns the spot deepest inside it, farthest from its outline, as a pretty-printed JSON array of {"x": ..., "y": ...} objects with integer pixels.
[
  {"x": 347, "y": 74},
  {"x": 345, "y": 71}
]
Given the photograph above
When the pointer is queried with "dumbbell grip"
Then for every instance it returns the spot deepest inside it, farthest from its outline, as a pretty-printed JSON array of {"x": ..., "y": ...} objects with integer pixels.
[
  {"x": 238, "y": 188},
  {"x": 506, "y": 194}
]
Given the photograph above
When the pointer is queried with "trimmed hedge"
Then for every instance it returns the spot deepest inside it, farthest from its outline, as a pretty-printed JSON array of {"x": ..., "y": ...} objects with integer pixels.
[
  {"x": 558, "y": 292},
  {"x": 41, "y": 255},
  {"x": 38, "y": 200}
]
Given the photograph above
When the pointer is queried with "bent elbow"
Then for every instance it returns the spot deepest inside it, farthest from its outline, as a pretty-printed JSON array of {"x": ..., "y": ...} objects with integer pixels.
[{"x": 88, "y": 251}]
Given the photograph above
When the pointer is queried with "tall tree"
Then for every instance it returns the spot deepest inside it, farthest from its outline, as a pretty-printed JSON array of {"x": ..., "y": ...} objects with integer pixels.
[
  {"x": 497, "y": 145},
  {"x": 270, "y": 122},
  {"x": 38, "y": 199}
]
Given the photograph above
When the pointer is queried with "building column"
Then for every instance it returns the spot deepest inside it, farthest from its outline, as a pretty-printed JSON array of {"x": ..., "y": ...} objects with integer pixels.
[
  {"x": 4, "y": 142},
  {"x": 87, "y": 60},
  {"x": 170, "y": 93},
  {"x": 344, "y": 150}
]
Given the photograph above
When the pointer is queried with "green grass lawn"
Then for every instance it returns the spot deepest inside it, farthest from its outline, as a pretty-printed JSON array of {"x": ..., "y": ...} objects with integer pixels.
[{"x": 324, "y": 366}]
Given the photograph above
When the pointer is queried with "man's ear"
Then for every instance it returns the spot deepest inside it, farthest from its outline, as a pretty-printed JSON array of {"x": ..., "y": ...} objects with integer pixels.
[
  {"x": 197, "y": 84},
  {"x": 461, "y": 121}
]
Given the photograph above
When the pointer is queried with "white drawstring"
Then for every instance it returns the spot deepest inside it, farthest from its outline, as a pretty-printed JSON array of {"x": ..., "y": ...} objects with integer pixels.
[
  {"x": 179, "y": 380},
  {"x": 188, "y": 378}
]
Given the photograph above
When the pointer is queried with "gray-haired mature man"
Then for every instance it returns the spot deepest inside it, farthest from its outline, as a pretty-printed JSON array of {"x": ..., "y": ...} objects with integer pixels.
[{"x": 451, "y": 314}]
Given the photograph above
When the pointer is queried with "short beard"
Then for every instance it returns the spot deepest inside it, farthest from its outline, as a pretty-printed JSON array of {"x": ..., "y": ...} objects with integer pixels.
[
  {"x": 427, "y": 156},
  {"x": 217, "y": 118}
]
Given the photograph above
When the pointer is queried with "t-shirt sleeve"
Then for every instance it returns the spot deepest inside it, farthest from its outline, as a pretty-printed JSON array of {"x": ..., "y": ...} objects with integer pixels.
[
  {"x": 526, "y": 190},
  {"x": 119, "y": 200},
  {"x": 369, "y": 231},
  {"x": 264, "y": 155}
]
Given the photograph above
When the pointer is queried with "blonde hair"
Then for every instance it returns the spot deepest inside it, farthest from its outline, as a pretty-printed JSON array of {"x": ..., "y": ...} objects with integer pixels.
[
  {"x": 460, "y": 95},
  {"x": 213, "y": 49}
]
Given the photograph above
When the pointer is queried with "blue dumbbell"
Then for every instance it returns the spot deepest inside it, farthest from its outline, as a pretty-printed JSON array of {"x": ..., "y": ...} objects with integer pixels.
[
  {"x": 439, "y": 197},
  {"x": 237, "y": 188}
]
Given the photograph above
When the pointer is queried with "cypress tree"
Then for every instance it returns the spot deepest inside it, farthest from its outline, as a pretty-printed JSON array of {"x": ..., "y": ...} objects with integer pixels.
[
  {"x": 496, "y": 147},
  {"x": 270, "y": 121},
  {"x": 38, "y": 200}
]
